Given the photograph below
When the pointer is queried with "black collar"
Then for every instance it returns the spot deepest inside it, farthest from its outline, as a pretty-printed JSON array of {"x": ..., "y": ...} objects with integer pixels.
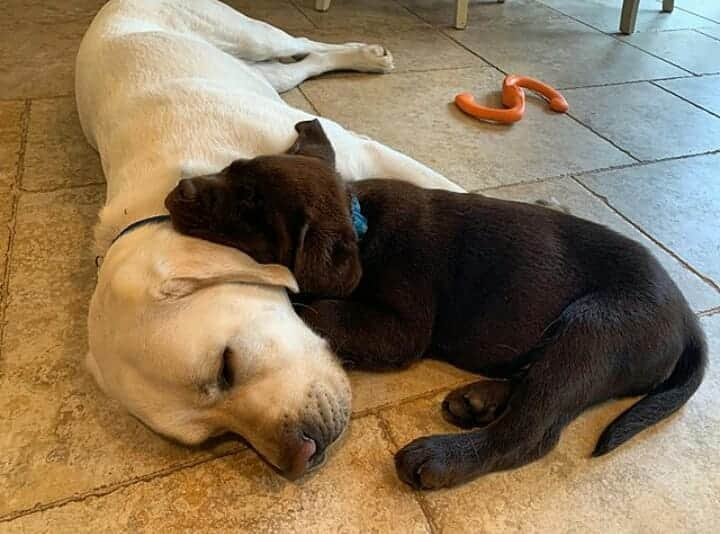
[{"x": 142, "y": 222}]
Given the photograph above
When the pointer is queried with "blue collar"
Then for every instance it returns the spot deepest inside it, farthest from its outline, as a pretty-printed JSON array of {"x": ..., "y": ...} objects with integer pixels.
[{"x": 359, "y": 221}]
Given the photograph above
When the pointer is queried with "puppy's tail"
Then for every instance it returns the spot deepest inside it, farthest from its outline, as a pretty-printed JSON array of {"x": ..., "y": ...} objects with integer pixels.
[{"x": 662, "y": 401}]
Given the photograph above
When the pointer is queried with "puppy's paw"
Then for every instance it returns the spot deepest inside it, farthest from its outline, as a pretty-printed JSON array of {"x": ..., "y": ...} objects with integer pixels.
[
  {"x": 431, "y": 462},
  {"x": 477, "y": 404}
]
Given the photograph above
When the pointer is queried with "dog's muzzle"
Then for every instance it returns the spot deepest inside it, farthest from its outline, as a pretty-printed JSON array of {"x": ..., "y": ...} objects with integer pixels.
[{"x": 320, "y": 426}]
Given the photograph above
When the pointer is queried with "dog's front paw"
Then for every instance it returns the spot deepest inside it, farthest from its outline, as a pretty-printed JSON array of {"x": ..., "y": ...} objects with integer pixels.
[{"x": 430, "y": 463}]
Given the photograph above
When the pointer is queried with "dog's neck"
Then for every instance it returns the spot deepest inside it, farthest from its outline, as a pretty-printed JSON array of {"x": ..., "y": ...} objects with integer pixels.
[{"x": 120, "y": 213}]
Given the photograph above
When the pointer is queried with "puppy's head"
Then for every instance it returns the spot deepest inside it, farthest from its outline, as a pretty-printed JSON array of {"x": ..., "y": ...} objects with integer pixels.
[{"x": 291, "y": 209}]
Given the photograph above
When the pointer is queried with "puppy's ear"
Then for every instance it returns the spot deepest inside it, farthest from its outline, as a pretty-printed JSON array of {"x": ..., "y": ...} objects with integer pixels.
[
  {"x": 198, "y": 264},
  {"x": 313, "y": 142}
]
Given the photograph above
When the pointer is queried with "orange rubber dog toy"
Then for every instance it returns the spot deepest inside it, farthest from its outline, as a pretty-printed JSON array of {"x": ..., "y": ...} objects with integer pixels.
[{"x": 513, "y": 98}]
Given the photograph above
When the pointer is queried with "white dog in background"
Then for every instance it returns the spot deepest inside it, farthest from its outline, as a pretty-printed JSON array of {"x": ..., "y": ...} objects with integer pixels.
[{"x": 193, "y": 338}]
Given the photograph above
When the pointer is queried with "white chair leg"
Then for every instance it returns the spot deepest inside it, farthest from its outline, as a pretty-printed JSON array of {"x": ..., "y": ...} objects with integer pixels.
[
  {"x": 322, "y": 5},
  {"x": 461, "y": 14},
  {"x": 668, "y": 6},
  {"x": 629, "y": 16}
]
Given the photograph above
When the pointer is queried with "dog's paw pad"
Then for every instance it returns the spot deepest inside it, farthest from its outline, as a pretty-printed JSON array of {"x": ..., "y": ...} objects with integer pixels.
[
  {"x": 476, "y": 404},
  {"x": 423, "y": 464},
  {"x": 377, "y": 58}
]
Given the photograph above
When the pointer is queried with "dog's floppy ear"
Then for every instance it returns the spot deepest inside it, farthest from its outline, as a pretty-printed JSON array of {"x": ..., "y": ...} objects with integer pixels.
[
  {"x": 197, "y": 264},
  {"x": 313, "y": 142}
]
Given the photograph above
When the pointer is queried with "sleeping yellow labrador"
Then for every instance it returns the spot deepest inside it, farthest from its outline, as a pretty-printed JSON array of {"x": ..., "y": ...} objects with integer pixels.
[{"x": 193, "y": 338}]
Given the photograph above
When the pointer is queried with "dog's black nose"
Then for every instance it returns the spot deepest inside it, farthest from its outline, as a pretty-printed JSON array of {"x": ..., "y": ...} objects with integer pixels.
[{"x": 187, "y": 189}]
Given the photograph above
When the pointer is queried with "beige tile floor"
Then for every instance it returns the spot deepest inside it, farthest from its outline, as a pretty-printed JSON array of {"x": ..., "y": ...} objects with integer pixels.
[{"x": 639, "y": 151}]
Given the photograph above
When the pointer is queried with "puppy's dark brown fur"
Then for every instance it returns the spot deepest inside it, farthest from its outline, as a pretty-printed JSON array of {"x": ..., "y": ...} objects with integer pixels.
[{"x": 562, "y": 312}]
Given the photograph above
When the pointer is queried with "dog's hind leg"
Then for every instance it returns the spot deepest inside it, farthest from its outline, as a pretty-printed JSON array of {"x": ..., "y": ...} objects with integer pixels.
[
  {"x": 237, "y": 34},
  {"x": 285, "y": 76}
]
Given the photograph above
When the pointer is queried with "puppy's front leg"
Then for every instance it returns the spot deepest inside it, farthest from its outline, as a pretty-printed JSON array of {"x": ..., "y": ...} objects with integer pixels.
[{"x": 368, "y": 337}]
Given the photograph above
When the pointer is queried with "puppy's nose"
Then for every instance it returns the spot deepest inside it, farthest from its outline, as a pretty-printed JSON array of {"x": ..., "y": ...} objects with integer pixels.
[{"x": 187, "y": 189}]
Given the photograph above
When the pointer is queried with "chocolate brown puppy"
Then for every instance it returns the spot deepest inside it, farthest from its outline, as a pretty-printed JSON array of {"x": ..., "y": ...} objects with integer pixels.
[{"x": 562, "y": 313}]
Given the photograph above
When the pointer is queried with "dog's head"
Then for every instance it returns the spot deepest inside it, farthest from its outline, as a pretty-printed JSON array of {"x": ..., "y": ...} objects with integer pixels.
[
  {"x": 291, "y": 209},
  {"x": 197, "y": 339}
]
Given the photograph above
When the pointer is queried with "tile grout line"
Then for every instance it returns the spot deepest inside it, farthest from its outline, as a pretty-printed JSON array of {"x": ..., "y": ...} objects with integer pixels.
[
  {"x": 109, "y": 489},
  {"x": 700, "y": 31},
  {"x": 639, "y": 228},
  {"x": 103, "y": 491},
  {"x": 62, "y": 187},
  {"x": 47, "y": 97},
  {"x": 617, "y": 38},
  {"x": 601, "y": 136},
  {"x": 646, "y": 31},
  {"x": 417, "y": 495},
  {"x": 292, "y": 3},
  {"x": 376, "y": 410},
  {"x": 307, "y": 98},
  {"x": 629, "y": 82},
  {"x": 697, "y": 14},
  {"x": 438, "y": 30},
  {"x": 15, "y": 200},
  {"x": 709, "y": 312},
  {"x": 684, "y": 99},
  {"x": 571, "y": 174}
]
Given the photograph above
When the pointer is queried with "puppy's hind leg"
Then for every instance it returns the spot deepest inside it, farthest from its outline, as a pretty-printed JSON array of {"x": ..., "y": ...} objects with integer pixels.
[
  {"x": 566, "y": 378},
  {"x": 285, "y": 76}
]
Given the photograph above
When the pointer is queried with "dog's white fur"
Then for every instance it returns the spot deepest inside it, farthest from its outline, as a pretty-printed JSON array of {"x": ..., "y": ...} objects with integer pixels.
[{"x": 172, "y": 88}]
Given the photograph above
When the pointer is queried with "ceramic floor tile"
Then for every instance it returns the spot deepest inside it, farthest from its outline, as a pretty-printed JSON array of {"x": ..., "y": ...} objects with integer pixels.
[
  {"x": 61, "y": 436},
  {"x": 713, "y": 31},
  {"x": 414, "y": 113},
  {"x": 37, "y": 59},
  {"x": 297, "y": 100},
  {"x": 645, "y": 120},
  {"x": 413, "y": 47},
  {"x": 703, "y": 91},
  {"x": 356, "y": 491},
  {"x": 483, "y": 13},
  {"x": 687, "y": 49},
  {"x": 43, "y": 12},
  {"x": 57, "y": 154},
  {"x": 605, "y": 15},
  {"x": 701, "y": 295},
  {"x": 709, "y": 9},
  {"x": 241, "y": 5},
  {"x": 666, "y": 479},
  {"x": 373, "y": 390},
  {"x": 279, "y": 13},
  {"x": 11, "y": 124},
  {"x": 562, "y": 53},
  {"x": 677, "y": 202},
  {"x": 358, "y": 14}
]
